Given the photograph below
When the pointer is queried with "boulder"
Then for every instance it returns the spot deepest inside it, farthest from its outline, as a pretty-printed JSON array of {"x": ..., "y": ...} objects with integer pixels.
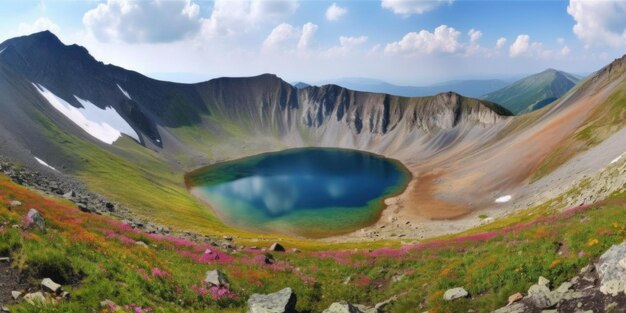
[
  {"x": 542, "y": 297},
  {"x": 216, "y": 278},
  {"x": 455, "y": 293},
  {"x": 277, "y": 247},
  {"x": 283, "y": 301},
  {"x": 34, "y": 218},
  {"x": 342, "y": 307},
  {"x": 49, "y": 285},
  {"x": 543, "y": 281},
  {"x": 35, "y": 298},
  {"x": 611, "y": 273}
]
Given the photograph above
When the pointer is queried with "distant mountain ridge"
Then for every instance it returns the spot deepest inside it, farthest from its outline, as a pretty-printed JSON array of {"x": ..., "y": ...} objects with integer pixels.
[
  {"x": 468, "y": 88},
  {"x": 533, "y": 92}
]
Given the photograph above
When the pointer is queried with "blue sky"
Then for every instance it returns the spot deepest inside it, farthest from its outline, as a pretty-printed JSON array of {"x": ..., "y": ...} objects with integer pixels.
[{"x": 411, "y": 42}]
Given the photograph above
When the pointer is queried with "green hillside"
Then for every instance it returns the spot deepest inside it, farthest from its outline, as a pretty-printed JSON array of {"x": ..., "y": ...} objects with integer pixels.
[{"x": 533, "y": 92}]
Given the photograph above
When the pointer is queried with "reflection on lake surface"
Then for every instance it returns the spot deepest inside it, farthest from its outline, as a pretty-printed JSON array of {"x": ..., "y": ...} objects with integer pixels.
[{"x": 311, "y": 192}]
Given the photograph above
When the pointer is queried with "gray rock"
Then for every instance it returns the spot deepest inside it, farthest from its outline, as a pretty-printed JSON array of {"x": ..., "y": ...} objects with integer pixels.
[
  {"x": 216, "y": 278},
  {"x": 16, "y": 294},
  {"x": 542, "y": 297},
  {"x": 543, "y": 281},
  {"x": 342, "y": 307},
  {"x": 277, "y": 247},
  {"x": 612, "y": 287},
  {"x": 5, "y": 259},
  {"x": 141, "y": 243},
  {"x": 49, "y": 285},
  {"x": 35, "y": 298},
  {"x": 455, "y": 293},
  {"x": 69, "y": 195},
  {"x": 15, "y": 203},
  {"x": 34, "y": 218},
  {"x": 283, "y": 301},
  {"x": 608, "y": 266},
  {"x": 83, "y": 207},
  {"x": 4, "y": 309},
  {"x": 564, "y": 287},
  {"x": 513, "y": 308}
]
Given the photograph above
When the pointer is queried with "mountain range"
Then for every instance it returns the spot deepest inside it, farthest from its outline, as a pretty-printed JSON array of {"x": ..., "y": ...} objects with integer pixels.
[
  {"x": 533, "y": 92},
  {"x": 470, "y": 88},
  {"x": 90, "y": 120}
]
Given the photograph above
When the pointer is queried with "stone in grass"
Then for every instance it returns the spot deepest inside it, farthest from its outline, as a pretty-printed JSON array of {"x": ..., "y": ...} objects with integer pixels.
[
  {"x": 216, "y": 278},
  {"x": 15, "y": 203},
  {"x": 49, "y": 285},
  {"x": 342, "y": 307},
  {"x": 35, "y": 298},
  {"x": 33, "y": 217},
  {"x": 5, "y": 260},
  {"x": 277, "y": 247},
  {"x": 283, "y": 301},
  {"x": 16, "y": 294},
  {"x": 455, "y": 293}
]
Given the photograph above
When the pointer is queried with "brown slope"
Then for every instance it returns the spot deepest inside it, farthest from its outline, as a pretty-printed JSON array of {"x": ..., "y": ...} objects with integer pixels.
[{"x": 468, "y": 179}]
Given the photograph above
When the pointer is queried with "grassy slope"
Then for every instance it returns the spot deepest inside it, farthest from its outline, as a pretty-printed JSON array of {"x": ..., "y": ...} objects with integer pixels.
[
  {"x": 521, "y": 95},
  {"x": 95, "y": 258},
  {"x": 608, "y": 118}
]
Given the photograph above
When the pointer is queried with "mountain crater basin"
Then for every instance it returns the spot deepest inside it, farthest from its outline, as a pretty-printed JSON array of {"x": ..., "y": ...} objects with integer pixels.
[{"x": 308, "y": 192}]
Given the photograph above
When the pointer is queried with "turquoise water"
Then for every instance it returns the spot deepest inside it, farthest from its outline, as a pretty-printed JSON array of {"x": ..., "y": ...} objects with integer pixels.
[{"x": 311, "y": 192}]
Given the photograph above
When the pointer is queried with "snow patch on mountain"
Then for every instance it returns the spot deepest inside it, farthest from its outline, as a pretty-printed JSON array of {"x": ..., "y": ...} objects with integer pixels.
[
  {"x": 504, "y": 199},
  {"x": 618, "y": 158},
  {"x": 43, "y": 163},
  {"x": 2, "y": 50},
  {"x": 105, "y": 124},
  {"x": 124, "y": 92}
]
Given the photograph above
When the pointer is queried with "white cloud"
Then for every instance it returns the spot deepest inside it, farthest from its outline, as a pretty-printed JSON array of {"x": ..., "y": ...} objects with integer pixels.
[
  {"x": 134, "y": 21},
  {"x": 306, "y": 37},
  {"x": 519, "y": 46},
  {"x": 560, "y": 41},
  {"x": 599, "y": 22},
  {"x": 409, "y": 7},
  {"x": 443, "y": 39},
  {"x": 279, "y": 35},
  {"x": 500, "y": 42},
  {"x": 474, "y": 35},
  {"x": 285, "y": 34},
  {"x": 347, "y": 44},
  {"x": 334, "y": 12},
  {"x": 523, "y": 47},
  {"x": 41, "y": 24},
  {"x": 231, "y": 17}
]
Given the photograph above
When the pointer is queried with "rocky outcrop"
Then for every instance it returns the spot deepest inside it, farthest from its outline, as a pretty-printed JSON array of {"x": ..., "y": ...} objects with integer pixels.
[
  {"x": 283, "y": 301},
  {"x": 598, "y": 288}
]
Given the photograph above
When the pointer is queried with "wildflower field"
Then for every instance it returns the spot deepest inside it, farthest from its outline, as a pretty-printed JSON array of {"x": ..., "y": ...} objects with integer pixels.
[{"x": 97, "y": 258}]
